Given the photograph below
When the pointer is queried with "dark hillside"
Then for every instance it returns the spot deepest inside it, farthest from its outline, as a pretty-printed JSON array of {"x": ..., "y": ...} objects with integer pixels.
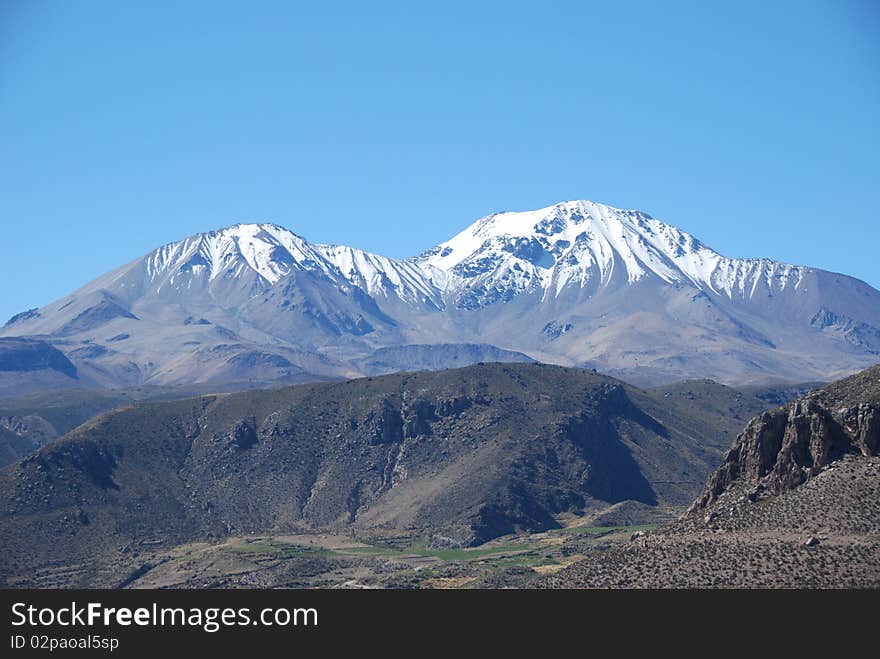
[{"x": 460, "y": 456}]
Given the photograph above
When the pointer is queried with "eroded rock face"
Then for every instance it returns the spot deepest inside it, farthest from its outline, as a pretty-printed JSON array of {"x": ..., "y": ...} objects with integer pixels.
[
  {"x": 863, "y": 423},
  {"x": 781, "y": 449},
  {"x": 385, "y": 424},
  {"x": 244, "y": 434},
  {"x": 396, "y": 420}
]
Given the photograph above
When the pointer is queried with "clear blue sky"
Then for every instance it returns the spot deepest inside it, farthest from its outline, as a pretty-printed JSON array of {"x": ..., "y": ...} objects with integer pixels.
[{"x": 390, "y": 127}]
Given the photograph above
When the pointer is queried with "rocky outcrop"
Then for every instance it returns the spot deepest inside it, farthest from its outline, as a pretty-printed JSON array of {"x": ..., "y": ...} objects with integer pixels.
[
  {"x": 385, "y": 425},
  {"x": 783, "y": 448},
  {"x": 862, "y": 422},
  {"x": 397, "y": 419},
  {"x": 244, "y": 434}
]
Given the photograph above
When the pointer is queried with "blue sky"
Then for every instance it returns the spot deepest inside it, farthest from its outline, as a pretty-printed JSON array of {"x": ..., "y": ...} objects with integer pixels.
[{"x": 391, "y": 126}]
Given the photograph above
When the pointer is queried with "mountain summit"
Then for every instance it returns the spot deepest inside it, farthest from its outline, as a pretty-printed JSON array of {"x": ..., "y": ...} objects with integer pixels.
[
  {"x": 263, "y": 254},
  {"x": 591, "y": 246},
  {"x": 578, "y": 283}
]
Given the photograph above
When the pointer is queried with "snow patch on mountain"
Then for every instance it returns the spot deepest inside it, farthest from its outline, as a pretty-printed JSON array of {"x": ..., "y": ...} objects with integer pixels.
[{"x": 381, "y": 275}]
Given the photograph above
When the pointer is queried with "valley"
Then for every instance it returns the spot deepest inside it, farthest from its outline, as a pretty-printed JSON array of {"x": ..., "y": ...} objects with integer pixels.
[{"x": 326, "y": 560}]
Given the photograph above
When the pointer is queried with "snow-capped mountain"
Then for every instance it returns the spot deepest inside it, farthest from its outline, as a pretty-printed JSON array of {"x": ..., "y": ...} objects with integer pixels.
[
  {"x": 588, "y": 245},
  {"x": 577, "y": 283},
  {"x": 268, "y": 252}
]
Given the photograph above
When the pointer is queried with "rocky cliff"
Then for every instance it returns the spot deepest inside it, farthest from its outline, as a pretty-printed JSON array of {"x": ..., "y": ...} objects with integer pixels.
[
  {"x": 795, "y": 504},
  {"x": 783, "y": 448}
]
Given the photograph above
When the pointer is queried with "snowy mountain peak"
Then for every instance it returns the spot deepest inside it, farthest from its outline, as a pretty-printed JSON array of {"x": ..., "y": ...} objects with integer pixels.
[
  {"x": 588, "y": 245},
  {"x": 271, "y": 252},
  {"x": 556, "y": 228},
  {"x": 575, "y": 245}
]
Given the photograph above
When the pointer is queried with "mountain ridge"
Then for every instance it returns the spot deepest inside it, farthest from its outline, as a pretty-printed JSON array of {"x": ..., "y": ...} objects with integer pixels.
[{"x": 577, "y": 284}]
